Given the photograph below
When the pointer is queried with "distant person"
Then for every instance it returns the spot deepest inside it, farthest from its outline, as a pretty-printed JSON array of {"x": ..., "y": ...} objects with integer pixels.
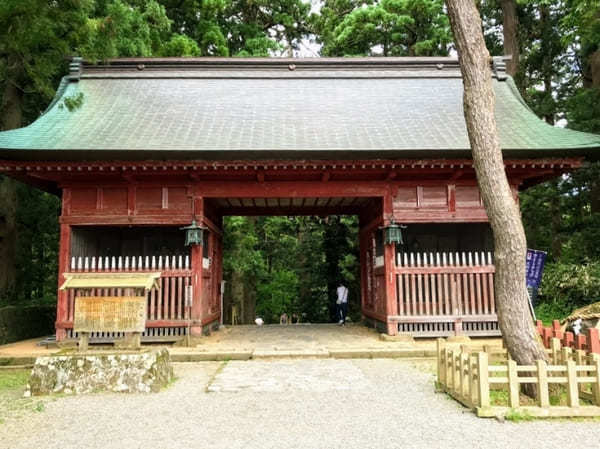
[{"x": 342, "y": 304}]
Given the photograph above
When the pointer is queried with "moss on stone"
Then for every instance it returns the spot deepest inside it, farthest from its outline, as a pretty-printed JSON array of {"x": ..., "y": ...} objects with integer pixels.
[{"x": 133, "y": 372}]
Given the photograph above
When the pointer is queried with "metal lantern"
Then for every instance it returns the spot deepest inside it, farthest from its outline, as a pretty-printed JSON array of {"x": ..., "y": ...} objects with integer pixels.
[
  {"x": 393, "y": 233},
  {"x": 193, "y": 234}
]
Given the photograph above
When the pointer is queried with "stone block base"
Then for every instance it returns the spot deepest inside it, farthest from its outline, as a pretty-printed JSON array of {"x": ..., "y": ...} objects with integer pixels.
[
  {"x": 458, "y": 339},
  {"x": 402, "y": 338},
  {"x": 126, "y": 372}
]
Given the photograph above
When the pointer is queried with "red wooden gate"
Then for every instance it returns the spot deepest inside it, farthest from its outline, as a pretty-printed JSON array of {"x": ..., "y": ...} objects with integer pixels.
[{"x": 440, "y": 294}]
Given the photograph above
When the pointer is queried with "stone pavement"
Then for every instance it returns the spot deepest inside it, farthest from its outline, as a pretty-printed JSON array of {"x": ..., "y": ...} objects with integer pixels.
[
  {"x": 301, "y": 375},
  {"x": 275, "y": 341},
  {"x": 309, "y": 340}
]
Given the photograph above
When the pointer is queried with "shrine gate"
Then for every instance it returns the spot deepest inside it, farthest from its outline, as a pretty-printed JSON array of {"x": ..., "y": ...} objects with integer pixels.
[{"x": 138, "y": 148}]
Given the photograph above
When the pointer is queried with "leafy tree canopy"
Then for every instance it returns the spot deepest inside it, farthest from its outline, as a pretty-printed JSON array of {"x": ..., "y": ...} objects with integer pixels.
[{"x": 386, "y": 27}]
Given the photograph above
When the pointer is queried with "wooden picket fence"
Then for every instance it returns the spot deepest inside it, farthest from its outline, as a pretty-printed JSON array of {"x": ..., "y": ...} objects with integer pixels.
[
  {"x": 169, "y": 307},
  {"x": 469, "y": 377},
  {"x": 590, "y": 341},
  {"x": 444, "y": 293}
]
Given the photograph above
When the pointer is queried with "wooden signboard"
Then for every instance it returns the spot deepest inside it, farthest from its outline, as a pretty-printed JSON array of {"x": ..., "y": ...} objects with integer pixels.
[{"x": 110, "y": 314}]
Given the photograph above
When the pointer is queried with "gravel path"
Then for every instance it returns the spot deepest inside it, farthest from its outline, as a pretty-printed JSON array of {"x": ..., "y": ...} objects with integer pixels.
[{"x": 284, "y": 404}]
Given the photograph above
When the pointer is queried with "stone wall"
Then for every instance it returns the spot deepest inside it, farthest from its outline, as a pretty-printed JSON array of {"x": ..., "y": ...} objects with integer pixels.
[
  {"x": 21, "y": 323},
  {"x": 125, "y": 372}
]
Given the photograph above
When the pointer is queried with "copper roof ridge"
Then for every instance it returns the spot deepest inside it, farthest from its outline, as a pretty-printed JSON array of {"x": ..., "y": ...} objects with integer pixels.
[
  {"x": 270, "y": 61},
  {"x": 401, "y": 65},
  {"x": 270, "y": 64}
]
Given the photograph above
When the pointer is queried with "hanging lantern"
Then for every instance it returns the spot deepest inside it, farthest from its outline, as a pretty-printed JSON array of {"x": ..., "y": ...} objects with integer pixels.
[
  {"x": 393, "y": 233},
  {"x": 193, "y": 234}
]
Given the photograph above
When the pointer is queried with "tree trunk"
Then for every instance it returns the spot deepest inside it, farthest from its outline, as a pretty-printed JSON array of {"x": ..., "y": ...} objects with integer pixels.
[
  {"x": 237, "y": 294},
  {"x": 556, "y": 220},
  {"x": 11, "y": 117},
  {"x": 595, "y": 196},
  {"x": 11, "y": 110},
  {"x": 510, "y": 30},
  {"x": 594, "y": 63},
  {"x": 479, "y": 99},
  {"x": 546, "y": 50}
]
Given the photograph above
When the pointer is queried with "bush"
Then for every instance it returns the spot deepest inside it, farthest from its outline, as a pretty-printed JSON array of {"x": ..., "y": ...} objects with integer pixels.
[
  {"x": 566, "y": 287},
  {"x": 20, "y": 323}
]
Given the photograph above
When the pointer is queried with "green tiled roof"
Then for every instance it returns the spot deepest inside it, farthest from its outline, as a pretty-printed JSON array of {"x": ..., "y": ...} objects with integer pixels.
[{"x": 278, "y": 109}]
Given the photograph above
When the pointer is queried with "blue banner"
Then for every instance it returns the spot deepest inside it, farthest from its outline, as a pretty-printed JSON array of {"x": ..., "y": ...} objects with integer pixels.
[{"x": 535, "y": 267}]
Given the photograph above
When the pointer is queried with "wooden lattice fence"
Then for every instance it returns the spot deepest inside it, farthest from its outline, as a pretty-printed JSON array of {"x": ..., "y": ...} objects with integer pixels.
[{"x": 471, "y": 376}]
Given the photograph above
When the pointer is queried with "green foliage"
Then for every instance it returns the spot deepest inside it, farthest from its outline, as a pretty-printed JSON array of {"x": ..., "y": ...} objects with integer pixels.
[
  {"x": 265, "y": 27},
  {"x": 37, "y": 254},
  {"x": 581, "y": 25},
  {"x": 278, "y": 294},
  {"x": 72, "y": 103},
  {"x": 20, "y": 323},
  {"x": 180, "y": 45},
  {"x": 35, "y": 37},
  {"x": 516, "y": 415},
  {"x": 583, "y": 110},
  {"x": 386, "y": 27},
  {"x": 200, "y": 20},
  {"x": 575, "y": 284},
  {"x": 120, "y": 28},
  {"x": 291, "y": 265},
  {"x": 544, "y": 73}
]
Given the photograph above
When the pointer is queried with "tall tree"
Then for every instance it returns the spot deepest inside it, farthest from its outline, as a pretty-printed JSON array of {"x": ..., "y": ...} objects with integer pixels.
[
  {"x": 199, "y": 21},
  {"x": 509, "y": 237},
  {"x": 35, "y": 36},
  {"x": 385, "y": 27},
  {"x": 265, "y": 27},
  {"x": 510, "y": 32}
]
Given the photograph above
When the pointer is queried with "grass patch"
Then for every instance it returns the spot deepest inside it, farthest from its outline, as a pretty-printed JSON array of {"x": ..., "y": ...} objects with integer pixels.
[
  {"x": 13, "y": 379},
  {"x": 515, "y": 415},
  {"x": 12, "y": 403},
  {"x": 171, "y": 382},
  {"x": 498, "y": 397},
  {"x": 215, "y": 374}
]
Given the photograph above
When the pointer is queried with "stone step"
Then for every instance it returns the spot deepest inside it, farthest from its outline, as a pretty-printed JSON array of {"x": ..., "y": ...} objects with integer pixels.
[
  {"x": 210, "y": 356},
  {"x": 15, "y": 367},
  {"x": 343, "y": 353},
  {"x": 293, "y": 353},
  {"x": 203, "y": 356},
  {"x": 16, "y": 361}
]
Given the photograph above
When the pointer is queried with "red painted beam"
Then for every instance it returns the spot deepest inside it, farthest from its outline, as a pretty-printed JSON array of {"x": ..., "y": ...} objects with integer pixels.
[
  {"x": 284, "y": 189},
  {"x": 124, "y": 220}
]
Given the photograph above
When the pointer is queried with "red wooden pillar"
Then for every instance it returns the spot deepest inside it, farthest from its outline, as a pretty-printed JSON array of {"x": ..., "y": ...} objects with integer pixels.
[
  {"x": 218, "y": 261},
  {"x": 196, "y": 314},
  {"x": 64, "y": 256},
  {"x": 390, "y": 288},
  {"x": 363, "y": 245},
  {"x": 389, "y": 254}
]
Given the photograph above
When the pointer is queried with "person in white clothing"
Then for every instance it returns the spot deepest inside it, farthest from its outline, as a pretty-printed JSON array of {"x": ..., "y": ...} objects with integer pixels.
[{"x": 342, "y": 303}]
